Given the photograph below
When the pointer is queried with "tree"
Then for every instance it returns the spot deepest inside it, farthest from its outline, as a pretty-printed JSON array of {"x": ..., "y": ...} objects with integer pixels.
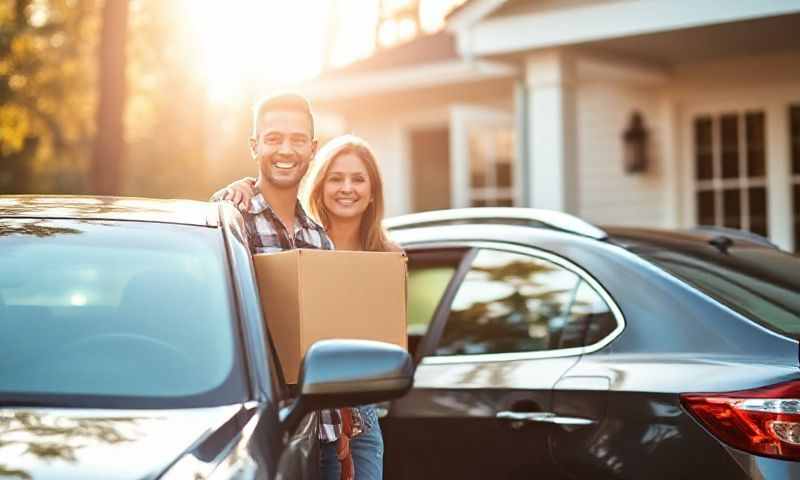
[
  {"x": 46, "y": 95},
  {"x": 109, "y": 145}
]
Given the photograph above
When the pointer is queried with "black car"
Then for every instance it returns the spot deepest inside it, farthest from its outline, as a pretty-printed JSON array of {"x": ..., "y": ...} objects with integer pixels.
[
  {"x": 132, "y": 346},
  {"x": 550, "y": 348}
]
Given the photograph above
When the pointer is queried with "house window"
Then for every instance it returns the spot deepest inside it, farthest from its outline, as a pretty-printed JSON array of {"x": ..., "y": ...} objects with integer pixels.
[
  {"x": 794, "y": 130},
  {"x": 731, "y": 171},
  {"x": 491, "y": 159}
]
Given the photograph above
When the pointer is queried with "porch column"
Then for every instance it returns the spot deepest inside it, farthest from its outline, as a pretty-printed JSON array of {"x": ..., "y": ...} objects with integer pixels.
[
  {"x": 779, "y": 173},
  {"x": 552, "y": 149},
  {"x": 459, "y": 158}
]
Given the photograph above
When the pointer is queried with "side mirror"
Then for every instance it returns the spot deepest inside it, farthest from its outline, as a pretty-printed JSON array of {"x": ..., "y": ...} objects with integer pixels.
[{"x": 343, "y": 373}]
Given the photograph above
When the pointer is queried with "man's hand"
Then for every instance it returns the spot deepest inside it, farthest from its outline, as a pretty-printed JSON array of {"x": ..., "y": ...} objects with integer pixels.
[{"x": 238, "y": 193}]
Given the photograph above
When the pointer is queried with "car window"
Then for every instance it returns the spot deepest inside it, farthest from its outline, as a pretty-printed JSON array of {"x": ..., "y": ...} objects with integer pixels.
[
  {"x": 511, "y": 302},
  {"x": 426, "y": 285},
  {"x": 591, "y": 320},
  {"x": 429, "y": 274},
  {"x": 762, "y": 284},
  {"x": 130, "y": 310}
]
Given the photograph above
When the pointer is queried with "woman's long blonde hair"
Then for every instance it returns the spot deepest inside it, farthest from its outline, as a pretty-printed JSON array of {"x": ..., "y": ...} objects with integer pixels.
[{"x": 373, "y": 236}]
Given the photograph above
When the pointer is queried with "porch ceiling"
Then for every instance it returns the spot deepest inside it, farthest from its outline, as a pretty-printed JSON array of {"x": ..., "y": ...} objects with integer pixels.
[{"x": 695, "y": 45}]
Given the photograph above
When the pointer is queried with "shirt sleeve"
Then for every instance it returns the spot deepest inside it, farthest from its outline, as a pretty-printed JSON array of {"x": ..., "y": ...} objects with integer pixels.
[{"x": 249, "y": 231}]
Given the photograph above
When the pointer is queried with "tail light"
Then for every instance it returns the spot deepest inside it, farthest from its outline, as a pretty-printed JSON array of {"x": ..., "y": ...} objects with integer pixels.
[{"x": 763, "y": 421}]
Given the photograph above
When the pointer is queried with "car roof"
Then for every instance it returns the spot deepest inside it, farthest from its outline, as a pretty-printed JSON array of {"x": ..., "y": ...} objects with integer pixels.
[
  {"x": 494, "y": 218},
  {"x": 186, "y": 212},
  {"x": 710, "y": 238},
  {"x": 532, "y": 217}
]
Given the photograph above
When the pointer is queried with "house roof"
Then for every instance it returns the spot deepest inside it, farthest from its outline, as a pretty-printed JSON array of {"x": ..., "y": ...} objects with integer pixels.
[
  {"x": 471, "y": 12},
  {"x": 425, "y": 49}
]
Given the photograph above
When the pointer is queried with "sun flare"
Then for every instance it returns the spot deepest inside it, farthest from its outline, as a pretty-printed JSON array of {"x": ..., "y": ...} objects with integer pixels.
[
  {"x": 240, "y": 41},
  {"x": 275, "y": 43}
]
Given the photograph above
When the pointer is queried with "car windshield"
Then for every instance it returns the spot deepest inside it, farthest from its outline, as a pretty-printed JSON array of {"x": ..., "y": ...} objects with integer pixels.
[
  {"x": 762, "y": 284},
  {"x": 125, "y": 314}
]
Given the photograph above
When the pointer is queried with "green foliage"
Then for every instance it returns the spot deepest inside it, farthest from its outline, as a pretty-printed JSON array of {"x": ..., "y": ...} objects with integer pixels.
[
  {"x": 46, "y": 93},
  {"x": 176, "y": 143}
]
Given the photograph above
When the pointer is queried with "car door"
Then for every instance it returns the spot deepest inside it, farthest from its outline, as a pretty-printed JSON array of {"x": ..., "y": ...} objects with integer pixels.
[{"x": 498, "y": 340}]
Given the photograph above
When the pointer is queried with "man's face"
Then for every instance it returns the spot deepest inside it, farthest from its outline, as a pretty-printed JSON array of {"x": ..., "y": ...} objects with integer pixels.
[{"x": 283, "y": 147}]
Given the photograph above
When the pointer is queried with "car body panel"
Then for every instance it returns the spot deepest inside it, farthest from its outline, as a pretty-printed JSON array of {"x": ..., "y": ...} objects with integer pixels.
[
  {"x": 79, "y": 443},
  {"x": 644, "y": 427},
  {"x": 448, "y": 422}
]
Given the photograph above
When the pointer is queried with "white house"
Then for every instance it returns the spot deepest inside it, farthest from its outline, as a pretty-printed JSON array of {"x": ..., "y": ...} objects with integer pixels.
[{"x": 527, "y": 102}]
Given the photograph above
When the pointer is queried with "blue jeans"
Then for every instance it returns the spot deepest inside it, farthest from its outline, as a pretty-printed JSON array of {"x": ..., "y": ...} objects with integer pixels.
[{"x": 367, "y": 449}]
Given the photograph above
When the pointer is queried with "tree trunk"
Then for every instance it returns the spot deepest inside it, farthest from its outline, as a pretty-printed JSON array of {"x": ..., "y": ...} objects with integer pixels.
[{"x": 107, "y": 154}]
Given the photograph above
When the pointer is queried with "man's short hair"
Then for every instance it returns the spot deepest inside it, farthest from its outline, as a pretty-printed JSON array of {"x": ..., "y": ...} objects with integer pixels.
[{"x": 282, "y": 102}]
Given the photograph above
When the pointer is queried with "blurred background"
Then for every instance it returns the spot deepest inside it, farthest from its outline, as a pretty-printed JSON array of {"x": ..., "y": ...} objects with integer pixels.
[
  {"x": 630, "y": 112},
  {"x": 154, "y": 98}
]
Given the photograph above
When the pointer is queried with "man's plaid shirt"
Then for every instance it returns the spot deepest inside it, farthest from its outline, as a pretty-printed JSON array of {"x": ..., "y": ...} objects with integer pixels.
[{"x": 267, "y": 233}]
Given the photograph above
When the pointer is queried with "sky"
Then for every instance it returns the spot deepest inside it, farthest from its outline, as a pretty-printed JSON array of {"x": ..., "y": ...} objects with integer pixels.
[{"x": 280, "y": 42}]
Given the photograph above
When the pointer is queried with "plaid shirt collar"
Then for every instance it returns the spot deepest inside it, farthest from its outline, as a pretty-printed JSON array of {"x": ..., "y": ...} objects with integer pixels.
[
  {"x": 268, "y": 233},
  {"x": 259, "y": 205}
]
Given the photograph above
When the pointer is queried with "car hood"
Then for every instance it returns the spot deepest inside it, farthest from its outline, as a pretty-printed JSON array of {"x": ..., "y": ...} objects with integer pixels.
[{"x": 93, "y": 444}]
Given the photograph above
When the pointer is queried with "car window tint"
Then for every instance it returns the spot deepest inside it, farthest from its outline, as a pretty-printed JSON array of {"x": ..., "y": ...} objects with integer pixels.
[
  {"x": 429, "y": 274},
  {"x": 590, "y": 319},
  {"x": 426, "y": 285},
  {"x": 509, "y": 302},
  {"x": 769, "y": 297},
  {"x": 116, "y": 309}
]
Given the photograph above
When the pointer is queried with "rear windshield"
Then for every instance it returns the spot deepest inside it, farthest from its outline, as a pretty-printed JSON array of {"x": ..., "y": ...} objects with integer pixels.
[
  {"x": 127, "y": 314},
  {"x": 759, "y": 283}
]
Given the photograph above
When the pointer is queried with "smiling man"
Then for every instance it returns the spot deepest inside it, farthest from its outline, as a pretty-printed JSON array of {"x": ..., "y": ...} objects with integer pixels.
[{"x": 283, "y": 146}]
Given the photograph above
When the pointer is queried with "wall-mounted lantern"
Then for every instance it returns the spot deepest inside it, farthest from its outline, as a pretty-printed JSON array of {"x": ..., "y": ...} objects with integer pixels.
[{"x": 634, "y": 140}]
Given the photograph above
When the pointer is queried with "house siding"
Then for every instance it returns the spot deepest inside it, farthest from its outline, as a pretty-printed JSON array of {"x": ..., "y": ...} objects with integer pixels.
[{"x": 608, "y": 195}]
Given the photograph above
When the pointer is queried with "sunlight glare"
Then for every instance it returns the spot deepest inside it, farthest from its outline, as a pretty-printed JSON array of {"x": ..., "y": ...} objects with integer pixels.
[
  {"x": 274, "y": 43},
  {"x": 265, "y": 41},
  {"x": 433, "y": 12},
  {"x": 78, "y": 299},
  {"x": 355, "y": 23}
]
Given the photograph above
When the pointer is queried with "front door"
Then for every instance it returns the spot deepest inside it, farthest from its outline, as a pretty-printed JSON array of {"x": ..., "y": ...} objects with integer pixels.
[{"x": 498, "y": 342}]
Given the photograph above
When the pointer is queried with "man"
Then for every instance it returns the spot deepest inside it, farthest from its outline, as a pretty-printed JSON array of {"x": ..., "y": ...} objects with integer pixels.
[{"x": 283, "y": 145}]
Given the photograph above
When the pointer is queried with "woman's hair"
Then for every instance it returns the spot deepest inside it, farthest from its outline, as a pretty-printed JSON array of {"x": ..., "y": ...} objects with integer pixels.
[{"x": 373, "y": 236}]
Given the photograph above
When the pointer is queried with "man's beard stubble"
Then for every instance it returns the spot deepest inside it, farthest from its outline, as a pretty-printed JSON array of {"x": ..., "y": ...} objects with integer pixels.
[{"x": 269, "y": 168}]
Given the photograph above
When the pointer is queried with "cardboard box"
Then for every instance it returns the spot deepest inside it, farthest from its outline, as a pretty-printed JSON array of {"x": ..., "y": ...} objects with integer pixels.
[{"x": 310, "y": 295}]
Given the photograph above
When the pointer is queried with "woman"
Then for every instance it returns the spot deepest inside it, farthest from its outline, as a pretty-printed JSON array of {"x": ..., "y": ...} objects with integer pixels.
[{"x": 345, "y": 194}]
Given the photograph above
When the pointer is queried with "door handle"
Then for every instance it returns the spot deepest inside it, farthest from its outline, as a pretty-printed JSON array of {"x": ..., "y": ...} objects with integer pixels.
[{"x": 542, "y": 417}]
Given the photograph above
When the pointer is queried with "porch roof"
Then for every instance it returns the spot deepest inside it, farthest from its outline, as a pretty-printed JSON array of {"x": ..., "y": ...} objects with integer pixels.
[{"x": 425, "y": 49}]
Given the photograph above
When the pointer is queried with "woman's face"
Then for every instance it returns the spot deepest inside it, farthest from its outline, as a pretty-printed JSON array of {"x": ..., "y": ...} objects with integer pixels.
[{"x": 347, "y": 191}]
